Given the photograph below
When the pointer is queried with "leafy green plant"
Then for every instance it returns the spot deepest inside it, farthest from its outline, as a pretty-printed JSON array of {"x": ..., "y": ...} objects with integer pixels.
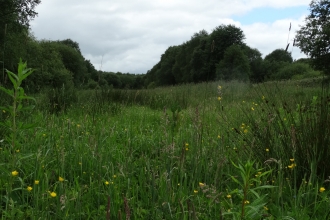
[
  {"x": 250, "y": 197},
  {"x": 15, "y": 127}
]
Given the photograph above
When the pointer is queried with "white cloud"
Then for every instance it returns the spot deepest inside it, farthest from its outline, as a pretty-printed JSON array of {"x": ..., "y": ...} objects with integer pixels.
[{"x": 132, "y": 34}]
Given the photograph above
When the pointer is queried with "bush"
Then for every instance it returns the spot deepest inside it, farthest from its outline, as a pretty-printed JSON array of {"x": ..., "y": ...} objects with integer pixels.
[{"x": 289, "y": 71}]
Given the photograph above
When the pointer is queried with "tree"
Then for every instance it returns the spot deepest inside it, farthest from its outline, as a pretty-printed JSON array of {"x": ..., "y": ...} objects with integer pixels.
[
  {"x": 313, "y": 38},
  {"x": 235, "y": 65},
  {"x": 20, "y": 11},
  {"x": 279, "y": 55},
  {"x": 256, "y": 64},
  {"x": 15, "y": 16}
]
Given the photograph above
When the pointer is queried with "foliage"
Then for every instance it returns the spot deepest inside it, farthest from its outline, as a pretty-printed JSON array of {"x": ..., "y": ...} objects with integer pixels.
[
  {"x": 14, "y": 137},
  {"x": 234, "y": 65},
  {"x": 20, "y": 11},
  {"x": 313, "y": 38},
  {"x": 179, "y": 152},
  {"x": 279, "y": 55},
  {"x": 296, "y": 69}
]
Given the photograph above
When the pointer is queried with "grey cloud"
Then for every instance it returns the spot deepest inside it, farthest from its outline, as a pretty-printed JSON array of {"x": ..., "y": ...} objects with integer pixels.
[{"x": 131, "y": 35}]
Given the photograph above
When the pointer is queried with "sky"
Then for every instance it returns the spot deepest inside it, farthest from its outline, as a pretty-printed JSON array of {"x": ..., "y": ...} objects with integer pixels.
[{"x": 129, "y": 36}]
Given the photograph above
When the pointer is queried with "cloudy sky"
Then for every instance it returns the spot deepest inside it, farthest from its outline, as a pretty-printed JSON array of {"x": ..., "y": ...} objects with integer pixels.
[{"x": 130, "y": 35}]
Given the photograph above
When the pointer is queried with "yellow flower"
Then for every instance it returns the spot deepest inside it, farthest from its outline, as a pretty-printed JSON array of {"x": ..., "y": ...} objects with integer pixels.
[
  {"x": 246, "y": 202},
  {"x": 246, "y": 131},
  {"x": 219, "y": 98},
  {"x": 267, "y": 150},
  {"x": 114, "y": 176},
  {"x": 106, "y": 183},
  {"x": 187, "y": 148},
  {"x": 36, "y": 182},
  {"x": 186, "y": 144},
  {"x": 61, "y": 179},
  {"x": 201, "y": 184},
  {"x": 228, "y": 196},
  {"x": 292, "y": 166},
  {"x": 52, "y": 194},
  {"x": 219, "y": 136},
  {"x": 291, "y": 160},
  {"x": 195, "y": 191},
  {"x": 17, "y": 151},
  {"x": 322, "y": 189},
  {"x": 14, "y": 173},
  {"x": 29, "y": 188},
  {"x": 252, "y": 108}
]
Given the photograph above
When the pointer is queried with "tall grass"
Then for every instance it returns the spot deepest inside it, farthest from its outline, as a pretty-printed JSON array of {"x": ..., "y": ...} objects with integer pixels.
[{"x": 182, "y": 152}]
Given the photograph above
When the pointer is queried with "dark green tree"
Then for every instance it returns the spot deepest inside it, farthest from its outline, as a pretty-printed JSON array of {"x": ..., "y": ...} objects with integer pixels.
[
  {"x": 164, "y": 74},
  {"x": 73, "y": 61},
  {"x": 313, "y": 38},
  {"x": 15, "y": 16},
  {"x": 256, "y": 64},
  {"x": 234, "y": 65},
  {"x": 221, "y": 38},
  {"x": 279, "y": 55},
  {"x": 17, "y": 11}
]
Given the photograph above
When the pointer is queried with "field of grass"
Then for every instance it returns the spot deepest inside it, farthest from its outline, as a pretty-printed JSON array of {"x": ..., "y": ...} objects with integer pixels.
[{"x": 207, "y": 151}]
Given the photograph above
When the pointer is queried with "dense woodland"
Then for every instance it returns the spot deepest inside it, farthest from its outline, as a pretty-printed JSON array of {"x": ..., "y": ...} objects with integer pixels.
[{"x": 221, "y": 54}]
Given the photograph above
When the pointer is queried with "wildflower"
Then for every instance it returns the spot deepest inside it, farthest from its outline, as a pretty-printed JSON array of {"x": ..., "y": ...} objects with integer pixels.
[
  {"x": 78, "y": 125},
  {"x": 228, "y": 196},
  {"x": 52, "y": 194},
  {"x": 186, "y": 144},
  {"x": 178, "y": 184},
  {"x": 219, "y": 98},
  {"x": 219, "y": 87},
  {"x": 292, "y": 160},
  {"x": 61, "y": 179},
  {"x": 187, "y": 148},
  {"x": 292, "y": 166},
  {"x": 322, "y": 189},
  {"x": 219, "y": 136},
  {"x": 14, "y": 173},
  {"x": 252, "y": 108},
  {"x": 195, "y": 191},
  {"x": 267, "y": 150},
  {"x": 201, "y": 184},
  {"x": 246, "y": 131},
  {"x": 17, "y": 151},
  {"x": 36, "y": 182},
  {"x": 114, "y": 176},
  {"x": 246, "y": 202},
  {"x": 29, "y": 188},
  {"x": 263, "y": 97},
  {"x": 106, "y": 183}
]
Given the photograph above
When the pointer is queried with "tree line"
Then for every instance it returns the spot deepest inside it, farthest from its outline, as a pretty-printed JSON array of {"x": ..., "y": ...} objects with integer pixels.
[{"x": 219, "y": 55}]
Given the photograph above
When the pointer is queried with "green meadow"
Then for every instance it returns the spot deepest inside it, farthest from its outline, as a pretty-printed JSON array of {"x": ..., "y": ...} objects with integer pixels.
[{"x": 218, "y": 150}]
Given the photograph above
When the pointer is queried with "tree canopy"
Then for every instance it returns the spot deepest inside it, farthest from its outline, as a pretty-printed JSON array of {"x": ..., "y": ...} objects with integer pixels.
[{"x": 313, "y": 38}]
